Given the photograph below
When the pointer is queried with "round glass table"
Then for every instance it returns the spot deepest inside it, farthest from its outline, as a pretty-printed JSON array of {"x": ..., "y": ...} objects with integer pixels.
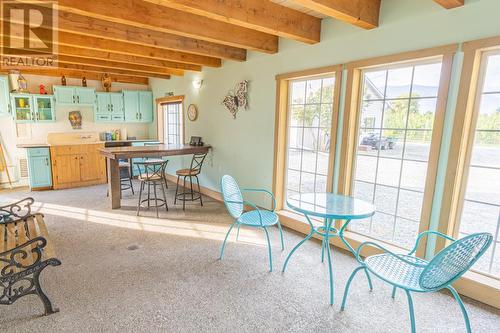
[{"x": 329, "y": 207}]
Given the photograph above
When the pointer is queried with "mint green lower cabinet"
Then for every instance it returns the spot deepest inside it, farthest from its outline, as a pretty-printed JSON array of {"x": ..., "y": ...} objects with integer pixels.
[
  {"x": 4, "y": 96},
  {"x": 39, "y": 167}
]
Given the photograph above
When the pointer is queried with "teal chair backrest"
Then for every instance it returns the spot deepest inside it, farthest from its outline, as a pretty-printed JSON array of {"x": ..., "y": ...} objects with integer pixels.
[
  {"x": 232, "y": 196},
  {"x": 454, "y": 260}
]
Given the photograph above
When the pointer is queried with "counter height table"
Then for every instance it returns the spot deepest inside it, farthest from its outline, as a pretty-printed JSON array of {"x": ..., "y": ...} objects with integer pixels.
[{"x": 114, "y": 154}]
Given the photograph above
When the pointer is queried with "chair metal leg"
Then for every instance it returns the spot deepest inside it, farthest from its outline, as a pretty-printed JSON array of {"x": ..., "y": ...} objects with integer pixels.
[
  {"x": 348, "y": 284},
  {"x": 191, "y": 185},
  {"x": 462, "y": 308},
  {"x": 156, "y": 199},
  {"x": 199, "y": 190},
  {"x": 164, "y": 196},
  {"x": 281, "y": 236},
  {"x": 131, "y": 186},
  {"x": 238, "y": 232},
  {"x": 309, "y": 235},
  {"x": 412, "y": 312},
  {"x": 140, "y": 197},
  {"x": 225, "y": 239},
  {"x": 184, "y": 194},
  {"x": 149, "y": 194},
  {"x": 323, "y": 250},
  {"x": 393, "y": 292},
  {"x": 370, "y": 284},
  {"x": 176, "y": 190},
  {"x": 269, "y": 248}
]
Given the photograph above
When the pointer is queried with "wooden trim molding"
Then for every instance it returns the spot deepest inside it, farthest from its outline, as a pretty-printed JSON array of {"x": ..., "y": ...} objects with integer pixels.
[
  {"x": 352, "y": 116},
  {"x": 281, "y": 125},
  {"x": 404, "y": 57},
  {"x": 462, "y": 139}
]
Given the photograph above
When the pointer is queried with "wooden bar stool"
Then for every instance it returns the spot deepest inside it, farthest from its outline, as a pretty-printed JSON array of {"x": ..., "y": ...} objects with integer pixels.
[
  {"x": 153, "y": 176},
  {"x": 193, "y": 171}
]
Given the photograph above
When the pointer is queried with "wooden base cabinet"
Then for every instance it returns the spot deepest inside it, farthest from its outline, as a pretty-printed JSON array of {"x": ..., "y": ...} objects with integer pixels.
[{"x": 77, "y": 165}]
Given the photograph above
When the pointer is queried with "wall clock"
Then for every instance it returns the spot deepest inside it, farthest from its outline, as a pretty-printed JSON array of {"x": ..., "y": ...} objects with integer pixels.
[{"x": 192, "y": 112}]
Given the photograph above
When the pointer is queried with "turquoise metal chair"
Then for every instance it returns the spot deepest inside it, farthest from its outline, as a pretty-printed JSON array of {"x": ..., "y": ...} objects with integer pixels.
[
  {"x": 413, "y": 274},
  {"x": 257, "y": 218}
]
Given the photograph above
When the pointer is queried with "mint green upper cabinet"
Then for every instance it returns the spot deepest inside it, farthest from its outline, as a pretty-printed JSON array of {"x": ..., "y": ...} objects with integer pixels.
[
  {"x": 4, "y": 96},
  {"x": 109, "y": 107},
  {"x": 85, "y": 96},
  {"x": 44, "y": 108},
  {"x": 22, "y": 106},
  {"x": 103, "y": 103},
  {"x": 146, "y": 106},
  {"x": 64, "y": 95},
  {"x": 116, "y": 100},
  {"x": 131, "y": 106}
]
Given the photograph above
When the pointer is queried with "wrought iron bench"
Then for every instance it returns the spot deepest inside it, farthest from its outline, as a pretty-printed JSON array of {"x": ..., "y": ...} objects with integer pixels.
[{"x": 25, "y": 250}]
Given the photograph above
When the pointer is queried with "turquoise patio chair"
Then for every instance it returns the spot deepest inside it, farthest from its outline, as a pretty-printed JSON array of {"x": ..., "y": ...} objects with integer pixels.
[
  {"x": 258, "y": 218},
  {"x": 413, "y": 274}
]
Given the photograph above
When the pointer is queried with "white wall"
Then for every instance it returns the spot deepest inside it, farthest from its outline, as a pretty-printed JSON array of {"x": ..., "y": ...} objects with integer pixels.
[
  {"x": 37, "y": 132},
  {"x": 244, "y": 147}
]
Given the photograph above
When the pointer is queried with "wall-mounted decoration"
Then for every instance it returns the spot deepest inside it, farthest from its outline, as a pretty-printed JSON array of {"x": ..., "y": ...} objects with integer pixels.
[
  {"x": 106, "y": 82},
  {"x": 84, "y": 81},
  {"x": 75, "y": 119},
  {"x": 22, "y": 84},
  {"x": 42, "y": 90},
  {"x": 63, "y": 80},
  {"x": 168, "y": 94},
  {"x": 192, "y": 112},
  {"x": 237, "y": 99}
]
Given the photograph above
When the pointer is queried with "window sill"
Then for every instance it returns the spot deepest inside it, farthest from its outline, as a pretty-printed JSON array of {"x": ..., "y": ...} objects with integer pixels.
[{"x": 474, "y": 285}]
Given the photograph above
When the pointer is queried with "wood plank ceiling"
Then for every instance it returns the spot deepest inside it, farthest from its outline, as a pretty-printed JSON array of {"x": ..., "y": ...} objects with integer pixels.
[{"x": 136, "y": 39}]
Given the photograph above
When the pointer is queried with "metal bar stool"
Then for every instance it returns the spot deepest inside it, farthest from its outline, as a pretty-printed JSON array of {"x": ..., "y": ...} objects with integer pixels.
[
  {"x": 125, "y": 177},
  {"x": 154, "y": 158},
  {"x": 153, "y": 176},
  {"x": 193, "y": 171}
]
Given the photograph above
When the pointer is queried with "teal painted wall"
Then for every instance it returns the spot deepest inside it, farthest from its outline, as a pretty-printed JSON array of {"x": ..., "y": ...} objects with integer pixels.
[{"x": 244, "y": 147}]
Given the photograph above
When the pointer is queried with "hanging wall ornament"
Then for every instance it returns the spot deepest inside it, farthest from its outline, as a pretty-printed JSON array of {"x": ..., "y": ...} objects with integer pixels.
[{"x": 237, "y": 99}]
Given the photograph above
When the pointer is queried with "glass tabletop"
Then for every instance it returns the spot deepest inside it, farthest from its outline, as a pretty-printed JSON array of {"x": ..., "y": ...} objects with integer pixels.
[{"x": 330, "y": 205}]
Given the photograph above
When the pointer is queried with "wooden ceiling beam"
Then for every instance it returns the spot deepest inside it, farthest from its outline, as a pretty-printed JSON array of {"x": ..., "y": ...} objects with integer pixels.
[
  {"x": 110, "y": 70},
  {"x": 264, "y": 16},
  {"x": 146, "y": 15},
  {"x": 125, "y": 48},
  {"x": 77, "y": 74},
  {"x": 93, "y": 27},
  {"x": 94, "y": 54},
  {"x": 362, "y": 13},
  {"x": 449, "y": 4},
  {"x": 146, "y": 70}
]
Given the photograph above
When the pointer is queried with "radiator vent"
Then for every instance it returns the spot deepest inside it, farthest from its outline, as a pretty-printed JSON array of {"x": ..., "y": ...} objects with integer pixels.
[{"x": 23, "y": 168}]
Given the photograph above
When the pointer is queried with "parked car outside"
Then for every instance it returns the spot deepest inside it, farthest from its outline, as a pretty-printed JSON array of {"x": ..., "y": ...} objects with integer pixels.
[{"x": 375, "y": 141}]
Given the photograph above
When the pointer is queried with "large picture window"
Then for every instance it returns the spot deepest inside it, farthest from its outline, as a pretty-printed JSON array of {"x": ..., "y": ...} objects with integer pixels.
[
  {"x": 397, "y": 111},
  {"x": 481, "y": 203},
  {"x": 309, "y": 134}
]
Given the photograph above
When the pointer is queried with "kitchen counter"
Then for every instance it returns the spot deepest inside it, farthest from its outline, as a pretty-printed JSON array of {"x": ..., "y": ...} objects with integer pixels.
[{"x": 44, "y": 144}]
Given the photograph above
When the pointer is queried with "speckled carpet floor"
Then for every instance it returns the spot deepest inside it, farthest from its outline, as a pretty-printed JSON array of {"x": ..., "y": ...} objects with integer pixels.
[{"x": 125, "y": 273}]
